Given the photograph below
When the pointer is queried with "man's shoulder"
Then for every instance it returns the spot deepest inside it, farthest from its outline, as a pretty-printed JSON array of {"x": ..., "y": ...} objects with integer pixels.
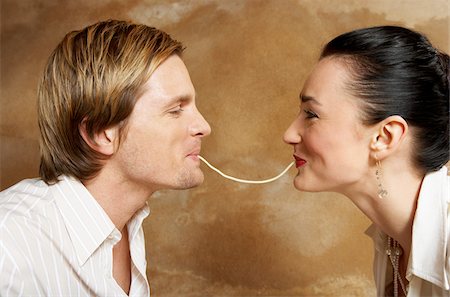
[
  {"x": 28, "y": 218},
  {"x": 23, "y": 199},
  {"x": 31, "y": 186}
]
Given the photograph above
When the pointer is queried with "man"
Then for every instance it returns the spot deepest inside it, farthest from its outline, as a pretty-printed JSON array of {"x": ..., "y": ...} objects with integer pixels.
[{"x": 118, "y": 121}]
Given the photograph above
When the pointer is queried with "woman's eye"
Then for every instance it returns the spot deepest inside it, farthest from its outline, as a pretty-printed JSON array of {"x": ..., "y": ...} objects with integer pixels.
[{"x": 310, "y": 114}]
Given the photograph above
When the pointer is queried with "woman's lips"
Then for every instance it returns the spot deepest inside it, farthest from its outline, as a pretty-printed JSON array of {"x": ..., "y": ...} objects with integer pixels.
[{"x": 299, "y": 162}]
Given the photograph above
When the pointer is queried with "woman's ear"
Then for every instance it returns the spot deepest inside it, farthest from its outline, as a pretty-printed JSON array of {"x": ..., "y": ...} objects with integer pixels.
[
  {"x": 389, "y": 136},
  {"x": 103, "y": 141}
]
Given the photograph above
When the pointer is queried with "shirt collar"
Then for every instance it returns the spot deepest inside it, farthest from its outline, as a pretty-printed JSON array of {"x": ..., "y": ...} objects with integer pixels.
[
  {"x": 431, "y": 230},
  {"x": 87, "y": 223},
  {"x": 135, "y": 222}
]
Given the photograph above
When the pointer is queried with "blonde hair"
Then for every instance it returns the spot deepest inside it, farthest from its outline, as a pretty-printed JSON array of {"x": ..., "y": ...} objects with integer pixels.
[{"x": 94, "y": 77}]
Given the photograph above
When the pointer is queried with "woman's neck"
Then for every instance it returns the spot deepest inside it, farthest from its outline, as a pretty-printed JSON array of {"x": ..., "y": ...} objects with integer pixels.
[{"x": 393, "y": 214}]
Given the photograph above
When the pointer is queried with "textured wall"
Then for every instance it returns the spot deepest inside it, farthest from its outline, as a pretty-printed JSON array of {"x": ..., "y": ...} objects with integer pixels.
[{"x": 248, "y": 60}]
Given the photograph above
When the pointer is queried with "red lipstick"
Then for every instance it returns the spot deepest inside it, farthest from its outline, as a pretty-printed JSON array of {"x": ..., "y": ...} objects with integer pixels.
[{"x": 299, "y": 162}]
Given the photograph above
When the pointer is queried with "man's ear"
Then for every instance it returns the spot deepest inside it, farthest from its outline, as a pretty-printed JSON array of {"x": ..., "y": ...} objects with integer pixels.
[
  {"x": 103, "y": 141},
  {"x": 388, "y": 137}
]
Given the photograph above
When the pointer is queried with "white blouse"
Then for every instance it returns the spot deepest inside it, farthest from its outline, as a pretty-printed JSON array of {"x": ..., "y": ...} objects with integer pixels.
[{"x": 428, "y": 270}]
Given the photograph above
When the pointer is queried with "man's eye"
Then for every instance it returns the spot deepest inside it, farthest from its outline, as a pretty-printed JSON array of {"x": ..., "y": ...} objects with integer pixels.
[
  {"x": 310, "y": 114},
  {"x": 176, "y": 111}
]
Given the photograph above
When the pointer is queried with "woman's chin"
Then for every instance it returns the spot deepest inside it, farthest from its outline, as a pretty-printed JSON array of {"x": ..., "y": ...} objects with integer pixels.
[{"x": 299, "y": 184}]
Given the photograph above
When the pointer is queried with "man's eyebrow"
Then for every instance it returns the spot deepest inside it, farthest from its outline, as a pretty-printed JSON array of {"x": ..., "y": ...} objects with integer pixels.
[
  {"x": 180, "y": 98},
  {"x": 305, "y": 98}
]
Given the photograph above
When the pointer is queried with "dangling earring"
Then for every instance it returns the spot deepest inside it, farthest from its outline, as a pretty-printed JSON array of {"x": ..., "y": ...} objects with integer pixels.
[{"x": 382, "y": 193}]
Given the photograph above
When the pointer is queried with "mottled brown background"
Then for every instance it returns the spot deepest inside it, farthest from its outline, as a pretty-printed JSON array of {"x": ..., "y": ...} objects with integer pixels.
[{"x": 248, "y": 60}]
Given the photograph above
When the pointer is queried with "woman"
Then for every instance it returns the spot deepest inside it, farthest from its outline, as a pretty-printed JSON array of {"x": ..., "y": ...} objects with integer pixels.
[{"x": 374, "y": 125}]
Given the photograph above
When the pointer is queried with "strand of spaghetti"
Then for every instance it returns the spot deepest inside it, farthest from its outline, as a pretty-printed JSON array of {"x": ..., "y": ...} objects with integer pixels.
[{"x": 245, "y": 181}]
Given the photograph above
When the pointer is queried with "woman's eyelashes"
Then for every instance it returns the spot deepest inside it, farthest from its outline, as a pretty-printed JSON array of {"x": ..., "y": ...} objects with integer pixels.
[{"x": 310, "y": 114}]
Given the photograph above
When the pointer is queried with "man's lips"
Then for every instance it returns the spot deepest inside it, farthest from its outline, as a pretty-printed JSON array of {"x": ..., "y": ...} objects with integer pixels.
[
  {"x": 194, "y": 154},
  {"x": 299, "y": 162}
]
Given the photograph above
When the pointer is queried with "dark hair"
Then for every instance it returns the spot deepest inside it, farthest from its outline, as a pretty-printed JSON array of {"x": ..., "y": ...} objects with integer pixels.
[{"x": 398, "y": 72}]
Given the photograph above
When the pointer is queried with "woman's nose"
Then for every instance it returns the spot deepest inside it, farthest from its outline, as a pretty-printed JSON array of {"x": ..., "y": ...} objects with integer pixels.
[{"x": 292, "y": 134}]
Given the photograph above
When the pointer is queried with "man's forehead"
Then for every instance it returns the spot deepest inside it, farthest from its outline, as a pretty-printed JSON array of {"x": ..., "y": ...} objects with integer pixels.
[
  {"x": 165, "y": 98},
  {"x": 169, "y": 83}
]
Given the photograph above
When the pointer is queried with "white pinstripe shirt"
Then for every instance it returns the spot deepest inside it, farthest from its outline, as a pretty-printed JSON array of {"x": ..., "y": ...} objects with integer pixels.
[{"x": 57, "y": 241}]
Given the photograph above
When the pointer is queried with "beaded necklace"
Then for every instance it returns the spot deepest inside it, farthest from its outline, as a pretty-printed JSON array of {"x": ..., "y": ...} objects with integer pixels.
[{"x": 394, "y": 251}]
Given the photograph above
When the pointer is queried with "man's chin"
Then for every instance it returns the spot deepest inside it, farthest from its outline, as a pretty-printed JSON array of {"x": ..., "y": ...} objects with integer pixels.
[{"x": 191, "y": 180}]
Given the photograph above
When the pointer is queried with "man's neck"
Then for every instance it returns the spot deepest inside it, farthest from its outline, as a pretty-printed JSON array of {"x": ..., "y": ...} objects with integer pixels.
[{"x": 119, "y": 199}]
